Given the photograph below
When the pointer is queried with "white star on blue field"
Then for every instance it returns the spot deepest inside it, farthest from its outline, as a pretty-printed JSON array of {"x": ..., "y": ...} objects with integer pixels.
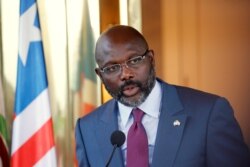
[{"x": 31, "y": 70}]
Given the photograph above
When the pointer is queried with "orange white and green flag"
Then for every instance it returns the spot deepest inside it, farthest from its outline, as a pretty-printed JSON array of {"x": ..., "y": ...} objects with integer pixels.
[{"x": 85, "y": 84}]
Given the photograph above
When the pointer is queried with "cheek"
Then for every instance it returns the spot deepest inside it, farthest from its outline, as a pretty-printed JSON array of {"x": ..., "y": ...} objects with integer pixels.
[
  {"x": 110, "y": 83},
  {"x": 143, "y": 73}
]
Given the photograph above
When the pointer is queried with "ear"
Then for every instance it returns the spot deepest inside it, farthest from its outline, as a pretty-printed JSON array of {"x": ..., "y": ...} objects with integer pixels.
[
  {"x": 152, "y": 56},
  {"x": 97, "y": 71},
  {"x": 151, "y": 52}
]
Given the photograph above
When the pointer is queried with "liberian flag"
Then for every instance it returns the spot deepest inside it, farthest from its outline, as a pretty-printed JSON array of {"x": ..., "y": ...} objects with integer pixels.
[
  {"x": 4, "y": 151},
  {"x": 32, "y": 134}
]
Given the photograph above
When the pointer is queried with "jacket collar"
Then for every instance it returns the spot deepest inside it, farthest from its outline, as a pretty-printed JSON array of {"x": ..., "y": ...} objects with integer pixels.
[{"x": 170, "y": 128}]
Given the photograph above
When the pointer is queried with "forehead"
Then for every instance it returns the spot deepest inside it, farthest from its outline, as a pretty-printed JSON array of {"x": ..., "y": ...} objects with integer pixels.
[
  {"x": 119, "y": 43},
  {"x": 111, "y": 51},
  {"x": 118, "y": 54}
]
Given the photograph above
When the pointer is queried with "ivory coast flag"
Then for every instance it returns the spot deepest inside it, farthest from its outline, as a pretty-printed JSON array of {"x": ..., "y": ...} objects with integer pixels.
[
  {"x": 4, "y": 151},
  {"x": 32, "y": 133},
  {"x": 85, "y": 84}
]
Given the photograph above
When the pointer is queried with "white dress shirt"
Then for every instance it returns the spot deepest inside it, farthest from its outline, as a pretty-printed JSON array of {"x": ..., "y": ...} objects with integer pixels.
[{"x": 150, "y": 120}]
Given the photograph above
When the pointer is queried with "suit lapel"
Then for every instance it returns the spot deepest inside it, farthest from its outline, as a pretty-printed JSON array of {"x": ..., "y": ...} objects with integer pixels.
[
  {"x": 106, "y": 126},
  {"x": 170, "y": 128}
]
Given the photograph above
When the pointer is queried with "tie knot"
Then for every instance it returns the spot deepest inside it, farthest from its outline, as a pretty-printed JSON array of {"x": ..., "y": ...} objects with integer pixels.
[{"x": 137, "y": 114}]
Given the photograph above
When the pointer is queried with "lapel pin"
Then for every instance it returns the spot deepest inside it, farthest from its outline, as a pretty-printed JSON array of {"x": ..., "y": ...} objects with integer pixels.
[{"x": 176, "y": 123}]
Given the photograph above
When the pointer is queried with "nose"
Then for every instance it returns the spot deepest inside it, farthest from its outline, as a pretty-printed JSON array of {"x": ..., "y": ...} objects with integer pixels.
[{"x": 126, "y": 72}]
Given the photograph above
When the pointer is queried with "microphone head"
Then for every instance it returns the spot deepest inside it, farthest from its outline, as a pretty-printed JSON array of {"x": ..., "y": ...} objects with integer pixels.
[{"x": 117, "y": 138}]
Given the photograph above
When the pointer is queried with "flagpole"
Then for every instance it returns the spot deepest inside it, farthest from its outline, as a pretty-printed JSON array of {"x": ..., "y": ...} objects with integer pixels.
[{"x": 69, "y": 122}]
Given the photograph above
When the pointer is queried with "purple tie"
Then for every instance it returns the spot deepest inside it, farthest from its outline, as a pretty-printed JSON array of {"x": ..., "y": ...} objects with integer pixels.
[{"x": 137, "y": 142}]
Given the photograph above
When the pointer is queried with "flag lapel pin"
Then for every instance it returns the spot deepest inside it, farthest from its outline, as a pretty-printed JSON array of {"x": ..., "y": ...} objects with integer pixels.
[{"x": 176, "y": 123}]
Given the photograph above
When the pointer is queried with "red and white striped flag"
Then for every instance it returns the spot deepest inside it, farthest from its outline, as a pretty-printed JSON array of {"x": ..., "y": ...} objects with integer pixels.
[{"x": 32, "y": 134}]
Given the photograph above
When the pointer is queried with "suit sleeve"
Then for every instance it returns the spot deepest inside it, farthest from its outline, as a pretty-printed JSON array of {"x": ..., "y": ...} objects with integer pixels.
[
  {"x": 80, "y": 147},
  {"x": 225, "y": 144}
]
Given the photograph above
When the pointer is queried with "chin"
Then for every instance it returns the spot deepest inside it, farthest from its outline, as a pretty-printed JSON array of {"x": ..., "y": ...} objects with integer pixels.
[{"x": 134, "y": 101}]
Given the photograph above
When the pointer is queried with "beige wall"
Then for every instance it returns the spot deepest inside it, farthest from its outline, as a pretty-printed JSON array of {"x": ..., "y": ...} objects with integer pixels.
[
  {"x": 225, "y": 41},
  {"x": 204, "y": 45}
]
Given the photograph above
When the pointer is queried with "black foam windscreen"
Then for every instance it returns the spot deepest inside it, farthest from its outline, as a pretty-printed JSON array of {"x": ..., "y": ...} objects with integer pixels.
[{"x": 117, "y": 138}]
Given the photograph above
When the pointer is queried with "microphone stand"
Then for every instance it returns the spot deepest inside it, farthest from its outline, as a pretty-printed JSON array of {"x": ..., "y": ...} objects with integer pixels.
[{"x": 115, "y": 146}]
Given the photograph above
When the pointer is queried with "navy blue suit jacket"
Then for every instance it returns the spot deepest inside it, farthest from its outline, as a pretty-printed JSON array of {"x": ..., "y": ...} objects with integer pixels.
[{"x": 208, "y": 134}]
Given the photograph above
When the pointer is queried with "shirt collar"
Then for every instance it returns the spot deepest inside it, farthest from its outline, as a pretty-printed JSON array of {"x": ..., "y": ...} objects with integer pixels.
[{"x": 151, "y": 106}]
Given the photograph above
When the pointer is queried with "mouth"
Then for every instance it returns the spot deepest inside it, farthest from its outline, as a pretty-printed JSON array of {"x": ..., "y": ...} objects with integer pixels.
[{"x": 130, "y": 90}]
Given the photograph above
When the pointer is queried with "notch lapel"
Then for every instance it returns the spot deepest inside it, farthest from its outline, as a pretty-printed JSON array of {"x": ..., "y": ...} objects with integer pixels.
[
  {"x": 106, "y": 126},
  {"x": 170, "y": 128}
]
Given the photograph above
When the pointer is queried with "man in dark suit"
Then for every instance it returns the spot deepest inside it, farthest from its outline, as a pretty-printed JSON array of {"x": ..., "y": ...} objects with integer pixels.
[{"x": 184, "y": 127}]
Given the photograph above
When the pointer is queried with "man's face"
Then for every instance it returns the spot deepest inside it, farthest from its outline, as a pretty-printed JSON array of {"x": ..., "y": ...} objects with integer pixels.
[{"x": 131, "y": 85}]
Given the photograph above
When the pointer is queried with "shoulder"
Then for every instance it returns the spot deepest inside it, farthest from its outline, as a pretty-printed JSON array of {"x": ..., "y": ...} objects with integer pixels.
[
  {"x": 95, "y": 115},
  {"x": 202, "y": 100},
  {"x": 191, "y": 94},
  {"x": 192, "y": 98}
]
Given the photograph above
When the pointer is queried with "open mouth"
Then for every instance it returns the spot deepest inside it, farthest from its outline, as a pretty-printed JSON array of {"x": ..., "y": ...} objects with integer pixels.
[{"x": 130, "y": 90}]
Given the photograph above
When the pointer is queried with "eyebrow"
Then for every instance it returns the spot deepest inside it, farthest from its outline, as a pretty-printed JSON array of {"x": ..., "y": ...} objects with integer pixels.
[{"x": 111, "y": 62}]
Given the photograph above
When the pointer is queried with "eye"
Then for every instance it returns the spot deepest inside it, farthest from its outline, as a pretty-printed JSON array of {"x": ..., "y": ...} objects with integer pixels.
[
  {"x": 111, "y": 68},
  {"x": 135, "y": 60}
]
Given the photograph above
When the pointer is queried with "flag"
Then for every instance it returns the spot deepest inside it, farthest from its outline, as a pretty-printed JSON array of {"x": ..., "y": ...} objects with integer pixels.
[
  {"x": 85, "y": 83},
  {"x": 89, "y": 89},
  {"x": 4, "y": 153},
  {"x": 32, "y": 131}
]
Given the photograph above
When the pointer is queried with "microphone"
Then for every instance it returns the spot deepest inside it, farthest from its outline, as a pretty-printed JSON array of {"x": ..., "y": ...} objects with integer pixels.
[{"x": 117, "y": 139}]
